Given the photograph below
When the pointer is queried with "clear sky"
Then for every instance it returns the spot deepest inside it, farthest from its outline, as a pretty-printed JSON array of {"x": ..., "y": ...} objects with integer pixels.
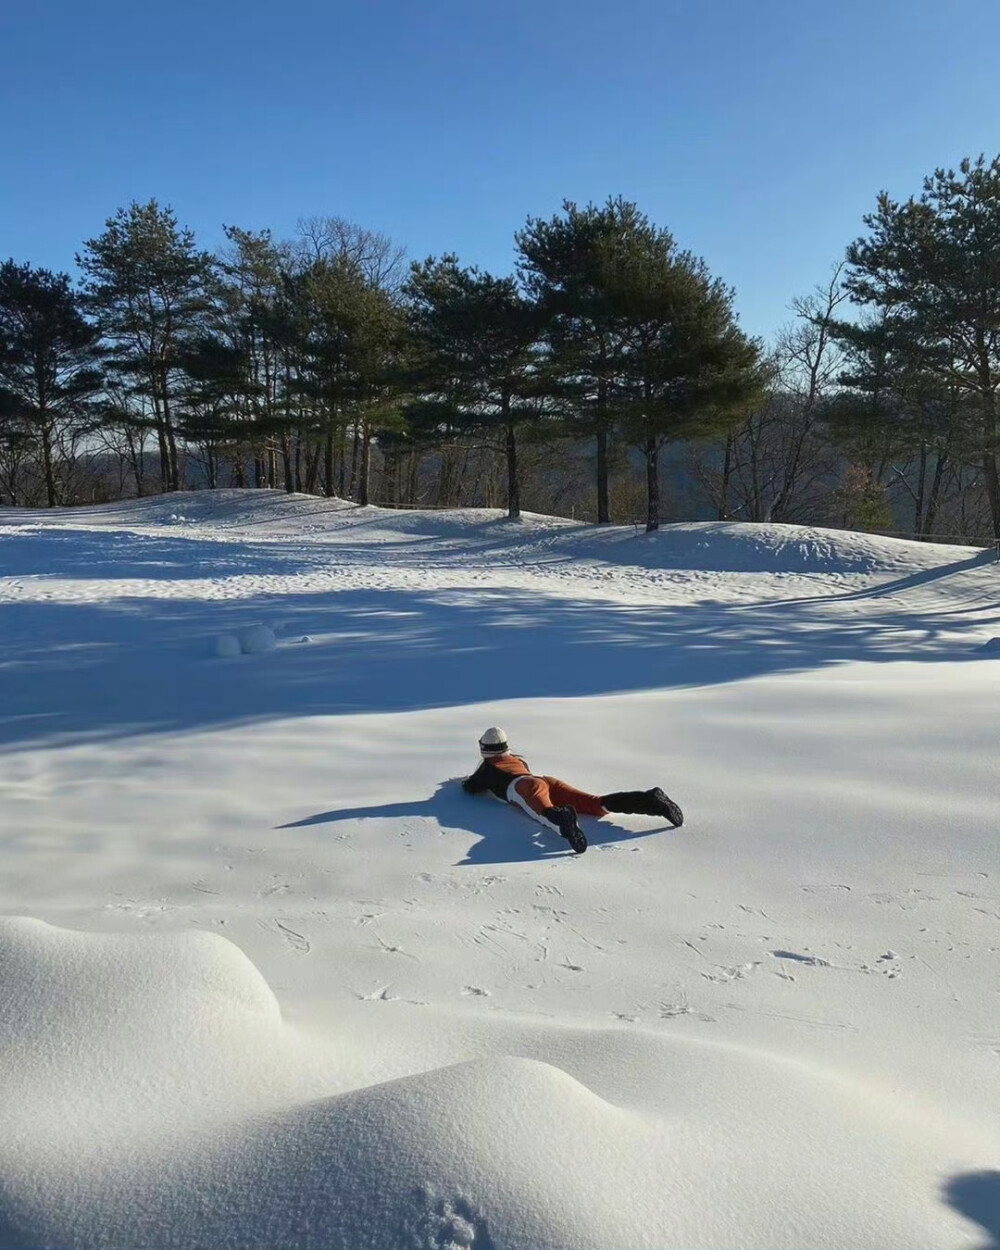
[{"x": 758, "y": 133}]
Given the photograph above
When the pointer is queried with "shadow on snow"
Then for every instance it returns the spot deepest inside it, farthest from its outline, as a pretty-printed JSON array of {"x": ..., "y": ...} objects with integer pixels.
[
  {"x": 113, "y": 555},
  {"x": 506, "y": 835},
  {"x": 976, "y": 1195},
  {"x": 72, "y": 671}
]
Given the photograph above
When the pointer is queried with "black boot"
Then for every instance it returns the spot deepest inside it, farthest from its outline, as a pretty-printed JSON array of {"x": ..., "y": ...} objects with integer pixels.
[
  {"x": 564, "y": 819},
  {"x": 644, "y": 803}
]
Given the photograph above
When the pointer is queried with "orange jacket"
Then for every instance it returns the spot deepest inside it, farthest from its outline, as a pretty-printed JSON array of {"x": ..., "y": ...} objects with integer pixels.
[{"x": 495, "y": 774}]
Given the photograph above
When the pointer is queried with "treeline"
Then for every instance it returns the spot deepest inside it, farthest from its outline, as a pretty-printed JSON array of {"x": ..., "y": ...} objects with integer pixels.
[{"x": 608, "y": 365}]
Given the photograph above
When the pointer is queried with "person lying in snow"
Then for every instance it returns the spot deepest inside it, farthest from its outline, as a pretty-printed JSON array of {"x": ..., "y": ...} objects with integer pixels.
[{"x": 552, "y": 802}]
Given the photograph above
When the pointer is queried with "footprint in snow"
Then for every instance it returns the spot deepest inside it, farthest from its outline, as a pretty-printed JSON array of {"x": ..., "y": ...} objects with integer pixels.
[
  {"x": 295, "y": 940},
  {"x": 446, "y": 1223},
  {"x": 670, "y": 1011},
  {"x": 724, "y": 975},
  {"x": 813, "y": 961},
  {"x": 886, "y": 964}
]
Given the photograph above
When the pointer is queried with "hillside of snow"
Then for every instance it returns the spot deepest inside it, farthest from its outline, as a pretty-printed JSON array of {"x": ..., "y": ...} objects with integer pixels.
[{"x": 268, "y": 977}]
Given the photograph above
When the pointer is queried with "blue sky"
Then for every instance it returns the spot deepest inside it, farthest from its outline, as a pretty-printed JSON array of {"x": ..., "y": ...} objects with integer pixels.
[{"x": 759, "y": 133}]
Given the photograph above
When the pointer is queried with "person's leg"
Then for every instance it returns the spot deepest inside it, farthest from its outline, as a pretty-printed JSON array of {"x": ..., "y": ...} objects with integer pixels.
[
  {"x": 534, "y": 796},
  {"x": 563, "y": 795},
  {"x": 531, "y": 794},
  {"x": 644, "y": 803}
]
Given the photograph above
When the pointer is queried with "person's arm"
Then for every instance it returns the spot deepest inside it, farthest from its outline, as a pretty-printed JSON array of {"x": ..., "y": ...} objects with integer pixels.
[{"x": 478, "y": 782}]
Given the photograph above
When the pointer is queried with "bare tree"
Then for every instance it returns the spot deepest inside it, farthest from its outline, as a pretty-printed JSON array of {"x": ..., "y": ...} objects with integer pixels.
[
  {"x": 381, "y": 262},
  {"x": 779, "y": 463}
]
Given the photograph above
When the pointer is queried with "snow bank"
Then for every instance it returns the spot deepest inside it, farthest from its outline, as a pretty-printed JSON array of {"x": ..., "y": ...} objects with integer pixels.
[
  {"x": 151, "y": 1096},
  {"x": 266, "y": 516}
]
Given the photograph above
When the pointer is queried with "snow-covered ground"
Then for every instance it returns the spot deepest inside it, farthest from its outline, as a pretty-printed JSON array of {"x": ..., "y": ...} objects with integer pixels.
[{"x": 268, "y": 978}]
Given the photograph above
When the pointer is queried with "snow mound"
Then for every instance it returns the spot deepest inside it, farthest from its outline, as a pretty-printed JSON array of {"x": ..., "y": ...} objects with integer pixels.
[
  {"x": 104, "y": 1028},
  {"x": 226, "y": 646},
  {"x": 759, "y": 547},
  {"x": 251, "y": 640},
  {"x": 256, "y": 639},
  {"x": 151, "y": 1096},
  {"x": 269, "y": 516}
]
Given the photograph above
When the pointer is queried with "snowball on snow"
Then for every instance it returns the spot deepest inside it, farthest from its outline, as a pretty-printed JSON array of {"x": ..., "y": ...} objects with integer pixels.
[
  {"x": 226, "y": 646},
  {"x": 257, "y": 638}
]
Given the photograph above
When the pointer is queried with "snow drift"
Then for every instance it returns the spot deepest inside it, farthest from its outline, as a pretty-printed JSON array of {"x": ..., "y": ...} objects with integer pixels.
[{"x": 141, "y": 1079}]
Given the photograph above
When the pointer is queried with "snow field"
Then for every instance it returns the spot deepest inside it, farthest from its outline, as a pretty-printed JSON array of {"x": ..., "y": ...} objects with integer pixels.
[{"x": 285, "y": 984}]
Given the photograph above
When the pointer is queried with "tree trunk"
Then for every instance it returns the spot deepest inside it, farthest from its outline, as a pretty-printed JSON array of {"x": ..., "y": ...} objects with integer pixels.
[
  {"x": 991, "y": 447},
  {"x": 992, "y": 489},
  {"x": 445, "y": 469},
  {"x": 513, "y": 487},
  {"x": 172, "y": 467},
  {"x": 342, "y": 461},
  {"x": 934, "y": 496},
  {"x": 161, "y": 438},
  {"x": 603, "y": 497},
  {"x": 286, "y": 463},
  {"x": 727, "y": 473},
  {"x": 312, "y": 467},
  {"x": 354, "y": 459},
  {"x": 603, "y": 494},
  {"x": 413, "y": 478},
  {"x": 918, "y": 501},
  {"x": 298, "y": 462},
  {"x": 136, "y": 450},
  {"x": 50, "y": 480},
  {"x": 258, "y": 471},
  {"x": 366, "y": 463},
  {"x": 652, "y": 483},
  {"x": 328, "y": 462}
]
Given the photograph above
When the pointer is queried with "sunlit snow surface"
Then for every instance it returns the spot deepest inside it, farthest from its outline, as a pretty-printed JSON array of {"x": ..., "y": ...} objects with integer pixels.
[{"x": 283, "y": 984}]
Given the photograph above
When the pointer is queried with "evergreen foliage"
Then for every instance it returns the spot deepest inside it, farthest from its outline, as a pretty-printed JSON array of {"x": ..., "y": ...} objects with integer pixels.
[
  {"x": 931, "y": 265},
  {"x": 639, "y": 333},
  {"x": 49, "y": 367},
  {"x": 475, "y": 343},
  {"x": 145, "y": 282},
  {"x": 316, "y": 364}
]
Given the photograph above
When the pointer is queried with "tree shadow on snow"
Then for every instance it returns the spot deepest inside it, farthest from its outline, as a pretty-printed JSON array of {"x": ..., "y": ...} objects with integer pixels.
[
  {"x": 124, "y": 666},
  {"x": 98, "y": 555},
  {"x": 909, "y": 581},
  {"x": 506, "y": 835},
  {"x": 976, "y": 1195}
]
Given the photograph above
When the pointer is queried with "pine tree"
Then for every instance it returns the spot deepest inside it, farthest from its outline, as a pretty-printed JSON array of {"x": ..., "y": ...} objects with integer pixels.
[
  {"x": 145, "y": 280},
  {"x": 639, "y": 335},
  {"x": 689, "y": 370},
  {"x": 353, "y": 330},
  {"x": 933, "y": 262},
  {"x": 49, "y": 358},
  {"x": 568, "y": 266},
  {"x": 475, "y": 353},
  {"x": 252, "y": 324}
]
